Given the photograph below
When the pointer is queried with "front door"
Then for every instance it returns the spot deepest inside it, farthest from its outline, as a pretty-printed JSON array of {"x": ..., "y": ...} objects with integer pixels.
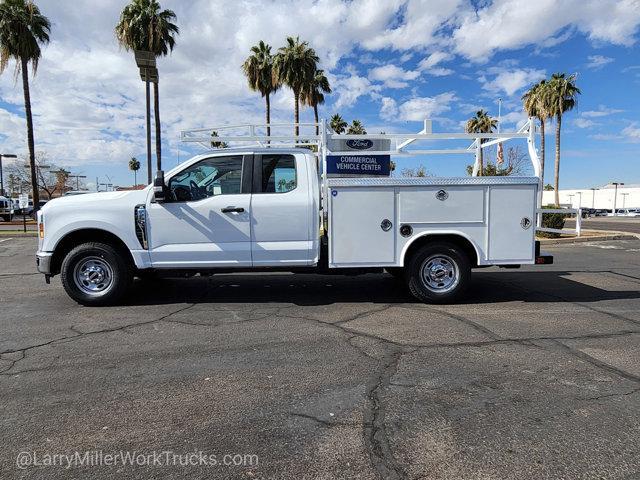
[{"x": 206, "y": 219}]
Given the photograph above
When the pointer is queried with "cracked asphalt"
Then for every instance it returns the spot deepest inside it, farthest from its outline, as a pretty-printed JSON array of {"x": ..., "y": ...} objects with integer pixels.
[{"x": 536, "y": 375}]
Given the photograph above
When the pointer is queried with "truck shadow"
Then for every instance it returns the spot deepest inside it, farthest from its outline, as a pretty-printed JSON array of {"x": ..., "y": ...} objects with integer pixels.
[{"x": 302, "y": 289}]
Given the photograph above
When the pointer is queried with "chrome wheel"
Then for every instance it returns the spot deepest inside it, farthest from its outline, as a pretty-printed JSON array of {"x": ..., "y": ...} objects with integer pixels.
[
  {"x": 93, "y": 276},
  {"x": 439, "y": 273}
]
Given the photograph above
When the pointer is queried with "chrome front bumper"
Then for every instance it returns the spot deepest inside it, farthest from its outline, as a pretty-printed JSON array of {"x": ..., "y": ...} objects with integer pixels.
[{"x": 43, "y": 262}]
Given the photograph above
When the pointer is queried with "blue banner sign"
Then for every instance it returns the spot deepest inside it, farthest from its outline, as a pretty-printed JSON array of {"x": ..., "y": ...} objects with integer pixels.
[{"x": 359, "y": 164}]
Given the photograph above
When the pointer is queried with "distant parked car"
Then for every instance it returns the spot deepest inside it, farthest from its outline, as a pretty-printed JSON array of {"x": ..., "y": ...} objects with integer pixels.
[
  {"x": 628, "y": 212},
  {"x": 6, "y": 209}
]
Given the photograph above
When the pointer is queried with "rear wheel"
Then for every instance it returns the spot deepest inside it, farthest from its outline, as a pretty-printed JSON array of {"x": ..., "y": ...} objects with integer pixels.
[
  {"x": 95, "y": 274},
  {"x": 438, "y": 273}
]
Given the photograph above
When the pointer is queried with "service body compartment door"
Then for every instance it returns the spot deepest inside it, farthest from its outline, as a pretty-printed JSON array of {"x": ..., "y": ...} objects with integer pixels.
[
  {"x": 356, "y": 235},
  {"x": 512, "y": 223}
]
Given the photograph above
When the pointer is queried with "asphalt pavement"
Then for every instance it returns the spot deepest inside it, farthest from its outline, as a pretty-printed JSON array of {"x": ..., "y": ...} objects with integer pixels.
[
  {"x": 535, "y": 375},
  {"x": 618, "y": 224}
]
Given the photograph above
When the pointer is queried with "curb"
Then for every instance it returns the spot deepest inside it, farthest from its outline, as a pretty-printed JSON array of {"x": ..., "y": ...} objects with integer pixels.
[{"x": 604, "y": 236}]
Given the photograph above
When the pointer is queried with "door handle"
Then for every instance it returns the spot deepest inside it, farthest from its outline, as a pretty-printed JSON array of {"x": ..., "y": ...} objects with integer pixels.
[{"x": 232, "y": 210}]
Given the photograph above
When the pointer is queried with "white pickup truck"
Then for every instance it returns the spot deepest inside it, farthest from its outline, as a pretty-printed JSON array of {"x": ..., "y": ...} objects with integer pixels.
[{"x": 273, "y": 208}]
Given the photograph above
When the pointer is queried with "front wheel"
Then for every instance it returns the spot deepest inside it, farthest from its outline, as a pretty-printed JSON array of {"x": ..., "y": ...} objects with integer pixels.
[
  {"x": 438, "y": 273},
  {"x": 95, "y": 274}
]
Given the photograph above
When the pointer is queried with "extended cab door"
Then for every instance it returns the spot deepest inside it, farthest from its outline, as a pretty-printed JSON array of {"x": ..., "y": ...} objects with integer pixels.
[
  {"x": 283, "y": 211},
  {"x": 206, "y": 219}
]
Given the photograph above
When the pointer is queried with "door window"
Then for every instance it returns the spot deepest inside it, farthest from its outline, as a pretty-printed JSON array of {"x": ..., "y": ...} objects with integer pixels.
[
  {"x": 207, "y": 178},
  {"x": 278, "y": 173}
]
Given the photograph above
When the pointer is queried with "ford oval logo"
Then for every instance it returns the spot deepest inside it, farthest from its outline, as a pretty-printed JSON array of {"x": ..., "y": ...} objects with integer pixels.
[{"x": 359, "y": 144}]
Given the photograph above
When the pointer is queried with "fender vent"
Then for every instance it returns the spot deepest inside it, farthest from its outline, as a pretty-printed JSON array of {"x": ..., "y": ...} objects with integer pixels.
[{"x": 140, "y": 220}]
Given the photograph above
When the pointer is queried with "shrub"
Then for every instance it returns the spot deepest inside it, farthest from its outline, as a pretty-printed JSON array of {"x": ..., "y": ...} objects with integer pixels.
[{"x": 552, "y": 220}]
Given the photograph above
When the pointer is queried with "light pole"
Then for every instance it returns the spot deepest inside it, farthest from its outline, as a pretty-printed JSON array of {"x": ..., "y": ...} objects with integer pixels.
[
  {"x": 5, "y": 155},
  {"x": 593, "y": 199},
  {"x": 615, "y": 197},
  {"x": 146, "y": 62}
]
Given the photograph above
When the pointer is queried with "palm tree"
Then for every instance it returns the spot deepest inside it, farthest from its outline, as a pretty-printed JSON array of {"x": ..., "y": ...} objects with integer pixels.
[
  {"x": 258, "y": 68},
  {"x": 23, "y": 29},
  {"x": 481, "y": 123},
  {"x": 562, "y": 97},
  {"x": 536, "y": 105},
  {"x": 134, "y": 166},
  {"x": 313, "y": 94},
  {"x": 337, "y": 124},
  {"x": 144, "y": 26},
  {"x": 295, "y": 66},
  {"x": 356, "y": 128}
]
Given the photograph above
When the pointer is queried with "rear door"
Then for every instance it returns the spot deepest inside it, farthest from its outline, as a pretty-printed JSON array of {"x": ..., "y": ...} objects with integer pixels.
[
  {"x": 206, "y": 220},
  {"x": 281, "y": 211}
]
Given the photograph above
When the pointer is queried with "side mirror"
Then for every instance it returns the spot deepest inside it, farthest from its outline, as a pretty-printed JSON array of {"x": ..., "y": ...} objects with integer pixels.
[{"x": 159, "y": 188}]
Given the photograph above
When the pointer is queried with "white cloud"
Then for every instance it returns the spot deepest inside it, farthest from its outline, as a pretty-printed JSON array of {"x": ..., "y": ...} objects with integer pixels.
[
  {"x": 417, "y": 109},
  {"x": 393, "y": 76},
  {"x": 350, "y": 88},
  {"x": 430, "y": 63},
  {"x": 512, "y": 24},
  {"x": 510, "y": 81},
  {"x": 632, "y": 132},
  {"x": 421, "y": 20},
  {"x": 596, "y": 62},
  {"x": 584, "y": 123},
  {"x": 602, "y": 111}
]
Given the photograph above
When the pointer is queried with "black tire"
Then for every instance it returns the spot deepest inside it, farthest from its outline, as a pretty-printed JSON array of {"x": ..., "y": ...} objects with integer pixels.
[
  {"x": 449, "y": 275},
  {"x": 99, "y": 261}
]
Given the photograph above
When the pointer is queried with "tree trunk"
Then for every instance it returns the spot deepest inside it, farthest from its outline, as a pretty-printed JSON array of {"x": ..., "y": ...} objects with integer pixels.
[
  {"x": 480, "y": 160},
  {"x": 135, "y": 178},
  {"x": 156, "y": 117},
  {"x": 268, "y": 114},
  {"x": 315, "y": 115},
  {"x": 149, "y": 174},
  {"x": 296, "y": 112},
  {"x": 32, "y": 156},
  {"x": 557, "y": 172},
  {"x": 542, "y": 151}
]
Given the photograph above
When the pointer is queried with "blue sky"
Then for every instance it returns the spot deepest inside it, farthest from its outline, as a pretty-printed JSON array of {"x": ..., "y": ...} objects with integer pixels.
[{"x": 391, "y": 63}]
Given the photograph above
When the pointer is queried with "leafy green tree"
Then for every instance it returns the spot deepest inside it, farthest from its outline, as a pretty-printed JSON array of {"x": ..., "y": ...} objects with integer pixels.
[
  {"x": 258, "y": 68},
  {"x": 536, "y": 104},
  {"x": 134, "y": 166},
  {"x": 144, "y": 26},
  {"x": 481, "y": 123},
  {"x": 356, "y": 128},
  {"x": 548, "y": 187},
  {"x": 295, "y": 66},
  {"x": 337, "y": 124},
  {"x": 563, "y": 96},
  {"x": 23, "y": 29},
  {"x": 313, "y": 94}
]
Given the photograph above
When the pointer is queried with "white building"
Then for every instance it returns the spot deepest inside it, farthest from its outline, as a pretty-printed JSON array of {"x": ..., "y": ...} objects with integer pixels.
[{"x": 627, "y": 196}]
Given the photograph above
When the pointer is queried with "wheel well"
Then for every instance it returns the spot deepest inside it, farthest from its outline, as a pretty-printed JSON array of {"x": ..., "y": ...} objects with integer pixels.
[
  {"x": 462, "y": 242},
  {"x": 78, "y": 237}
]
